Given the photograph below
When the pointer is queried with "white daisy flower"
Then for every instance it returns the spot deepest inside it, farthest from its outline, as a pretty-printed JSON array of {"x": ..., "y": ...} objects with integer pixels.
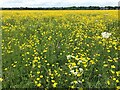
[
  {"x": 68, "y": 56},
  {"x": 105, "y": 34},
  {"x": 80, "y": 69}
]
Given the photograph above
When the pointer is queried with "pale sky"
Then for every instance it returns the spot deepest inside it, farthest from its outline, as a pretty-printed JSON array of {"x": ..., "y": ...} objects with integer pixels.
[{"x": 57, "y": 3}]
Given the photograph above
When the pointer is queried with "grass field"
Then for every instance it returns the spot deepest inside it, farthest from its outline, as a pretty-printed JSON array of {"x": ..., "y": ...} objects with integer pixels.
[{"x": 58, "y": 49}]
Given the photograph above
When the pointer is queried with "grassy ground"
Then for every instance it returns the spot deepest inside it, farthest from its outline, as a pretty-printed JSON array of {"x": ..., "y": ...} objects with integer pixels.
[{"x": 60, "y": 49}]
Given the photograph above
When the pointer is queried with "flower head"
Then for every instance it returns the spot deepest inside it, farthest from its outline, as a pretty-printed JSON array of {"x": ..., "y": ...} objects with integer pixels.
[
  {"x": 80, "y": 69},
  {"x": 105, "y": 34},
  {"x": 55, "y": 84},
  {"x": 1, "y": 79},
  {"x": 68, "y": 56}
]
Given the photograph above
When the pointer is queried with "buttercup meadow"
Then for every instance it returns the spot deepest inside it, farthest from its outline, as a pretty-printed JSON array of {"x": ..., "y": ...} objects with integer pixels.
[{"x": 60, "y": 49}]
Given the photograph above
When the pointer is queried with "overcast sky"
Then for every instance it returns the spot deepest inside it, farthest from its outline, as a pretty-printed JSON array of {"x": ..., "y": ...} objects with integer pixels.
[{"x": 57, "y": 3}]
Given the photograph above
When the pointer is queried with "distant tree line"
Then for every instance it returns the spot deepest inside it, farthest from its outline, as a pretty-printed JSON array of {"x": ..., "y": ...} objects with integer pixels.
[{"x": 66, "y": 8}]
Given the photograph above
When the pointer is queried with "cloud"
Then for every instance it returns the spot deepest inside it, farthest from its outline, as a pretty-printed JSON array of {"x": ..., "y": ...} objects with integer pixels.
[{"x": 56, "y": 3}]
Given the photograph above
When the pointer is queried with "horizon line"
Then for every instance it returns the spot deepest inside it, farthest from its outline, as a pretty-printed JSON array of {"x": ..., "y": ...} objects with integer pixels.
[{"x": 59, "y": 6}]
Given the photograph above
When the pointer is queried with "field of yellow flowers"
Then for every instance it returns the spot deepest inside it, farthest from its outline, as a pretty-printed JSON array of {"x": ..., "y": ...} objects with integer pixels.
[{"x": 60, "y": 49}]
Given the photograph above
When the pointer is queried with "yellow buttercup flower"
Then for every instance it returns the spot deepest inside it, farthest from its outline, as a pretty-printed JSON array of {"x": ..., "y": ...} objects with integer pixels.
[
  {"x": 55, "y": 84},
  {"x": 39, "y": 85},
  {"x": 108, "y": 82},
  {"x": 118, "y": 87},
  {"x": 112, "y": 66},
  {"x": 41, "y": 76},
  {"x": 1, "y": 79}
]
